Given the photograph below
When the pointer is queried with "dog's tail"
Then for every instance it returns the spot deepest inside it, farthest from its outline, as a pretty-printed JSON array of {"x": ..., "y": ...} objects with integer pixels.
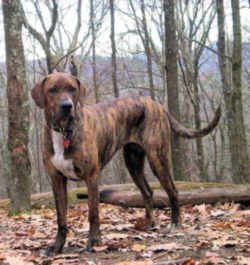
[{"x": 193, "y": 133}]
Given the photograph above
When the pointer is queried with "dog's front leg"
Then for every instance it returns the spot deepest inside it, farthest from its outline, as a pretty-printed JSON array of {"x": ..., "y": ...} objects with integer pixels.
[
  {"x": 59, "y": 185},
  {"x": 93, "y": 204}
]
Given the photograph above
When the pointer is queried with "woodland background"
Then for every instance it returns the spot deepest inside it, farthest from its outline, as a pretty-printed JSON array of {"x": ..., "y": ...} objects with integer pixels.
[{"x": 190, "y": 56}]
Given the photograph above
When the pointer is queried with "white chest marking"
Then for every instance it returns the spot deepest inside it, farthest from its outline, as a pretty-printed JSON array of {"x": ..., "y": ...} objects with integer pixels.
[{"x": 65, "y": 166}]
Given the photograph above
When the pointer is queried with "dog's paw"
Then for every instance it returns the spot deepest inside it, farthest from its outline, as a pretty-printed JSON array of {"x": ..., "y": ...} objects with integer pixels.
[
  {"x": 56, "y": 248},
  {"x": 52, "y": 250},
  {"x": 173, "y": 227},
  {"x": 150, "y": 225},
  {"x": 94, "y": 242}
]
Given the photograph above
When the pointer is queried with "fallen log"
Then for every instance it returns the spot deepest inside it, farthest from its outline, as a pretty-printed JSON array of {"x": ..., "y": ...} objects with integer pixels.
[{"x": 160, "y": 199}]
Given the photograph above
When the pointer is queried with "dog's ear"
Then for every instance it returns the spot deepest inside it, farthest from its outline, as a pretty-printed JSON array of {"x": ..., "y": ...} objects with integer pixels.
[
  {"x": 37, "y": 93},
  {"x": 82, "y": 91}
]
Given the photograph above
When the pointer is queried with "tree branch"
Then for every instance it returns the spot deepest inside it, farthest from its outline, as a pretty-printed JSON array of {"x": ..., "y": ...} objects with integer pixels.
[
  {"x": 64, "y": 56},
  {"x": 54, "y": 20},
  {"x": 38, "y": 11},
  {"x": 209, "y": 48},
  {"x": 78, "y": 26},
  {"x": 37, "y": 35}
]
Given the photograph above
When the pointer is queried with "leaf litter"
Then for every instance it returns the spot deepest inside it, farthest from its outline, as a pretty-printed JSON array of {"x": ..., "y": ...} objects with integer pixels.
[{"x": 209, "y": 235}]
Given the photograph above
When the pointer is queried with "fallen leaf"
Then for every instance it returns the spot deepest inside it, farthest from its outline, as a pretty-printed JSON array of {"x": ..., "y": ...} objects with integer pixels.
[
  {"x": 116, "y": 236},
  {"x": 223, "y": 225},
  {"x": 138, "y": 247},
  {"x": 243, "y": 213},
  {"x": 134, "y": 263},
  {"x": 244, "y": 260},
  {"x": 164, "y": 247},
  {"x": 213, "y": 260},
  {"x": 217, "y": 213},
  {"x": 123, "y": 227},
  {"x": 100, "y": 248},
  {"x": 201, "y": 209},
  {"x": 12, "y": 260}
]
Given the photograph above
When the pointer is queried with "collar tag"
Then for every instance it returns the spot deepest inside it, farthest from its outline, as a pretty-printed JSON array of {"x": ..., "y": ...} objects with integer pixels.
[{"x": 66, "y": 143}]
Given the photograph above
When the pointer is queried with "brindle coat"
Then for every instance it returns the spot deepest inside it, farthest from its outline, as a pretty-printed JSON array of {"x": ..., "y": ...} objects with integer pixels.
[{"x": 79, "y": 140}]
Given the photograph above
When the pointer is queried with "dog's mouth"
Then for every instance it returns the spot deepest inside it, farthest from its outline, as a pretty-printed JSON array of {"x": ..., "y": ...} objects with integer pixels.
[
  {"x": 65, "y": 127},
  {"x": 62, "y": 122}
]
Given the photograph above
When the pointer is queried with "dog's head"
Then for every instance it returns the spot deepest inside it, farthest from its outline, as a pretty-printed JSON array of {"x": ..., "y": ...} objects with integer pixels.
[{"x": 58, "y": 94}]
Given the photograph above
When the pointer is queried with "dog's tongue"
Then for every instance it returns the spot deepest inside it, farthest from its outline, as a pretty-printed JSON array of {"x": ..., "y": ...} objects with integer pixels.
[{"x": 66, "y": 143}]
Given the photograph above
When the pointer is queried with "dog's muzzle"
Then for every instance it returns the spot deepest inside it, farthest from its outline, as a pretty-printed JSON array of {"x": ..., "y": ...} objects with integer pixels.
[{"x": 66, "y": 107}]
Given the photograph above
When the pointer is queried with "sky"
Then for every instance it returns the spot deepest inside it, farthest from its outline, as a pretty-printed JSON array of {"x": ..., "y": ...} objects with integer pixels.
[{"x": 122, "y": 25}]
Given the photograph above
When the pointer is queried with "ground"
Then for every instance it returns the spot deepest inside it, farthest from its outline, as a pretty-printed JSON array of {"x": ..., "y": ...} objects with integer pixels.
[{"x": 217, "y": 234}]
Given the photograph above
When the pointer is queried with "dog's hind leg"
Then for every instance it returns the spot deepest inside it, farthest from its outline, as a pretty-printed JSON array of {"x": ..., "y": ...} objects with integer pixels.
[
  {"x": 161, "y": 165},
  {"x": 134, "y": 158}
]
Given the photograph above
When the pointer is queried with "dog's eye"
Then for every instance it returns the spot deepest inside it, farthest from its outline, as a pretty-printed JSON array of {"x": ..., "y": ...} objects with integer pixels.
[
  {"x": 53, "y": 90},
  {"x": 71, "y": 89}
]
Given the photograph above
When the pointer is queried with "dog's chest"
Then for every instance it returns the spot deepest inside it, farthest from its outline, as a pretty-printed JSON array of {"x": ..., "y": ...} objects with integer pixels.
[{"x": 65, "y": 166}]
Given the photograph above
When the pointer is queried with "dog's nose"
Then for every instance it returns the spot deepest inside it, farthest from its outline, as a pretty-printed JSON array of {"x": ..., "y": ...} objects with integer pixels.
[{"x": 66, "y": 106}]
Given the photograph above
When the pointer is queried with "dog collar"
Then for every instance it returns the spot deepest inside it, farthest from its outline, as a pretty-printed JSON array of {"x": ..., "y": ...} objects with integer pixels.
[{"x": 67, "y": 134}]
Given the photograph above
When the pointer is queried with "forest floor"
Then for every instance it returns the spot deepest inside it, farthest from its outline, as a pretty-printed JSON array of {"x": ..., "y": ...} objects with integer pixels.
[{"x": 218, "y": 234}]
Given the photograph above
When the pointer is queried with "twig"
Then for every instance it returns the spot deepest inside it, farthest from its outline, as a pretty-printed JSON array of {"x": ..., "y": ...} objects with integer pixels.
[
  {"x": 64, "y": 56},
  {"x": 176, "y": 262},
  {"x": 209, "y": 48}
]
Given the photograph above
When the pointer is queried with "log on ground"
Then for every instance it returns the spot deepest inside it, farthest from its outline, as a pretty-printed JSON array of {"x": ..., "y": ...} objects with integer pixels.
[{"x": 160, "y": 199}]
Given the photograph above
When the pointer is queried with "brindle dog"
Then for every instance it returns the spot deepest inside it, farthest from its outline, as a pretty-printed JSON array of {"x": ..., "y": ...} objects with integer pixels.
[{"x": 79, "y": 140}]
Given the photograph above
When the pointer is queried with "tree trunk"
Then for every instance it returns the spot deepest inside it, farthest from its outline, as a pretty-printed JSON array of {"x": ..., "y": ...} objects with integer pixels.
[
  {"x": 225, "y": 72},
  {"x": 113, "y": 46},
  {"x": 127, "y": 198},
  {"x": 232, "y": 95},
  {"x": 92, "y": 21},
  {"x": 203, "y": 175},
  {"x": 240, "y": 158},
  {"x": 38, "y": 159},
  {"x": 119, "y": 158},
  {"x": 18, "y": 109},
  {"x": 147, "y": 48},
  {"x": 172, "y": 84}
]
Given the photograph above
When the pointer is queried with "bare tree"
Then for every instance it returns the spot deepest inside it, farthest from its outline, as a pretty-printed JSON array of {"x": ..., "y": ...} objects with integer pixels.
[
  {"x": 192, "y": 26},
  {"x": 53, "y": 57},
  {"x": 225, "y": 71},
  {"x": 146, "y": 43},
  {"x": 171, "y": 51},
  {"x": 239, "y": 152},
  {"x": 148, "y": 26},
  {"x": 113, "y": 46},
  {"x": 93, "y": 33},
  {"x": 18, "y": 109},
  {"x": 44, "y": 40},
  {"x": 143, "y": 32},
  {"x": 119, "y": 157},
  {"x": 4, "y": 165}
]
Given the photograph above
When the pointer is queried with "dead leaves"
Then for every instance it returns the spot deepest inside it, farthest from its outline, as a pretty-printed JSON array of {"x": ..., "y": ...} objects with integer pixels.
[
  {"x": 170, "y": 247},
  {"x": 138, "y": 247},
  {"x": 209, "y": 235}
]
